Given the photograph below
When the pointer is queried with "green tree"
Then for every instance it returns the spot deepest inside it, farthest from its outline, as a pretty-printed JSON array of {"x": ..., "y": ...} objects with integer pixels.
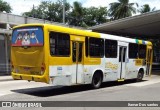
[
  {"x": 146, "y": 8},
  {"x": 122, "y": 9},
  {"x": 49, "y": 10},
  {"x": 55, "y": 11},
  {"x": 76, "y": 16},
  {"x": 80, "y": 16},
  {"x": 94, "y": 16},
  {"x": 4, "y": 6},
  {"x": 37, "y": 12}
]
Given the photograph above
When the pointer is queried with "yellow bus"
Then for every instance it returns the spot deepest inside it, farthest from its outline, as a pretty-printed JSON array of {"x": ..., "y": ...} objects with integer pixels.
[{"x": 65, "y": 56}]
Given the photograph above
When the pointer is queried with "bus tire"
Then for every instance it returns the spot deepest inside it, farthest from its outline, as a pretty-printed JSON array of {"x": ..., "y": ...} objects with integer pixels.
[
  {"x": 140, "y": 75},
  {"x": 96, "y": 80}
]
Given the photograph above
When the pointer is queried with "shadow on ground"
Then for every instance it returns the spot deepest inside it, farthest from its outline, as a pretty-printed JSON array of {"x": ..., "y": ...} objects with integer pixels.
[{"x": 53, "y": 91}]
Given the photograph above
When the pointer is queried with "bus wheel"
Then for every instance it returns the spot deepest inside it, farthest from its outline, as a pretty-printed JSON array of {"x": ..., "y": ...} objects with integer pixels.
[
  {"x": 140, "y": 75},
  {"x": 96, "y": 80}
]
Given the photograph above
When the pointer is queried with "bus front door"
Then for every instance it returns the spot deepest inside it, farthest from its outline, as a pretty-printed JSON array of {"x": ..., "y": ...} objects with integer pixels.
[
  {"x": 148, "y": 61},
  {"x": 77, "y": 59},
  {"x": 122, "y": 63}
]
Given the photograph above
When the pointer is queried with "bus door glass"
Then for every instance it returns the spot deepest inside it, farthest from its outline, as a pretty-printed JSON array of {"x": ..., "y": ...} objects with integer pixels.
[
  {"x": 148, "y": 61},
  {"x": 77, "y": 59},
  {"x": 122, "y": 62}
]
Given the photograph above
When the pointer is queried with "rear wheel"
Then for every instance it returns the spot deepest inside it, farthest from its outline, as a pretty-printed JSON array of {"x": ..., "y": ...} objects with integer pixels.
[
  {"x": 96, "y": 80},
  {"x": 140, "y": 76}
]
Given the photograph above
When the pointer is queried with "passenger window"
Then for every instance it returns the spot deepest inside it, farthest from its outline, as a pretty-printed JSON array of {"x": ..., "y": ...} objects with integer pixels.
[
  {"x": 96, "y": 47},
  {"x": 59, "y": 44},
  {"x": 133, "y": 50},
  {"x": 142, "y": 51},
  {"x": 110, "y": 48}
]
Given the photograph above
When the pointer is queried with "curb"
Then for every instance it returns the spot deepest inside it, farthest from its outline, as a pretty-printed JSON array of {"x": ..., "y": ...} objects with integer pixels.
[
  {"x": 4, "y": 74},
  {"x": 7, "y": 77},
  {"x": 2, "y": 80}
]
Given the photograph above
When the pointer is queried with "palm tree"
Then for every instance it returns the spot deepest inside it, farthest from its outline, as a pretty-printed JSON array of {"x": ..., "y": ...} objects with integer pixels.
[
  {"x": 76, "y": 16},
  {"x": 122, "y": 9},
  {"x": 146, "y": 8}
]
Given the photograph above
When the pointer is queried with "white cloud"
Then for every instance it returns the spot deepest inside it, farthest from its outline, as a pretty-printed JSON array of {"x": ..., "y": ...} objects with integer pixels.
[
  {"x": 98, "y": 3},
  {"x": 21, "y": 6},
  {"x": 152, "y": 3}
]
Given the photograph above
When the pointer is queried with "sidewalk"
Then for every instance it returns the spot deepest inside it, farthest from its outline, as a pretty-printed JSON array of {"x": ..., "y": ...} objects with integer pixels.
[{"x": 6, "y": 78}]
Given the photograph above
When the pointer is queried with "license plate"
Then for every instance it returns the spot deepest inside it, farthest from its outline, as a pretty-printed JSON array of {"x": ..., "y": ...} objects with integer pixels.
[{"x": 26, "y": 68}]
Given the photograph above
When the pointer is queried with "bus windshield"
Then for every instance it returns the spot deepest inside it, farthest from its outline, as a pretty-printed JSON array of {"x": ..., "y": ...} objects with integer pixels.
[{"x": 27, "y": 36}]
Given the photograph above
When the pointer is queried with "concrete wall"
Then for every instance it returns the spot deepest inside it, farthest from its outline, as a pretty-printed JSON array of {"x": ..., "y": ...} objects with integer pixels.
[{"x": 16, "y": 19}]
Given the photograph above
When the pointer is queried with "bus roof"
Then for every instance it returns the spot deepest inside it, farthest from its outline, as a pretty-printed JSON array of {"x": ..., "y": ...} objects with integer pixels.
[
  {"x": 63, "y": 29},
  {"x": 80, "y": 32}
]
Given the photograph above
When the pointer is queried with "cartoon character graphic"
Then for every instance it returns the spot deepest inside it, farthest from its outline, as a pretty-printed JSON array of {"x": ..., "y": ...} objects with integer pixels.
[
  {"x": 33, "y": 38},
  {"x": 26, "y": 39},
  {"x": 19, "y": 39}
]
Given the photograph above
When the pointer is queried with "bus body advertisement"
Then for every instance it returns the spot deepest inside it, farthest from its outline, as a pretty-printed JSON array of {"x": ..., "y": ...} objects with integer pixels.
[{"x": 64, "y": 56}]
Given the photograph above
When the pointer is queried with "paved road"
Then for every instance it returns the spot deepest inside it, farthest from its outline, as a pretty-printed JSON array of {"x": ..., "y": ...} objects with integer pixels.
[{"x": 19, "y": 90}]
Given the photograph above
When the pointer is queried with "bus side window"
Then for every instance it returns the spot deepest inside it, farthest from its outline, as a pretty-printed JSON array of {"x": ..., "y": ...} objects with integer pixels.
[
  {"x": 52, "y": 46},
  {"x": 59, "y": 44},
  {"x": 96, "y": 47},
  {"x": 142, "y": 51},
  {"x": 133, "y": 51},
  {"x": 110, "y": 48}
]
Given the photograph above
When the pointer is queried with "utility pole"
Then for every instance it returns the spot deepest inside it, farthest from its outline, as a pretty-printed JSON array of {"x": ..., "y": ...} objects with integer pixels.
[
  {"x": 64, "y": 1},
  {"x": 33, "y": 11}
]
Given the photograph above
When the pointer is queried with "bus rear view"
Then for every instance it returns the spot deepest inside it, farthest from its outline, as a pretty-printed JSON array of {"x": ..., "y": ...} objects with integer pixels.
[{"x": 27, "y": 53}]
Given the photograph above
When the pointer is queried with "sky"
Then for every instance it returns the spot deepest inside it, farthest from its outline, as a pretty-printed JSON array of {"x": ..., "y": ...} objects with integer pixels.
[{"x": 21, "y": 6}]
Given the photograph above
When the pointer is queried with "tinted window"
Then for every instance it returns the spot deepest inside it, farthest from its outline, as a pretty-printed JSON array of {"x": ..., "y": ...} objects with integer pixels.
[
  {"x": 86, "y": 46},
  {"x": 142, "y": 51},
  {"x": 133, "y": 50},
  {"x": 59, "y": 44},
  {"x": 96, "y": 47},
  {"x": 122, "y": 50},
  {"x": 110, "y": 48}
]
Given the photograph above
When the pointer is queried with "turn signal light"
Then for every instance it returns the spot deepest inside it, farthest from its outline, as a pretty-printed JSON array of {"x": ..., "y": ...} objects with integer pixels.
[
  {"x": 12, "y": 66},
  {"x": 43, "y": 67}
]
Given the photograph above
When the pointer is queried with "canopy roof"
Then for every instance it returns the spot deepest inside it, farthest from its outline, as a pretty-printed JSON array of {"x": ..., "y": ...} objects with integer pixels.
[{"x": 144, "y": 25}]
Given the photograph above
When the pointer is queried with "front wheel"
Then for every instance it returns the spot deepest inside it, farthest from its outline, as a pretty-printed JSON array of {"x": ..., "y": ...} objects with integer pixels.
[
  {"x": 140, "y": 76},
  {"x": 96, "y": 80}
]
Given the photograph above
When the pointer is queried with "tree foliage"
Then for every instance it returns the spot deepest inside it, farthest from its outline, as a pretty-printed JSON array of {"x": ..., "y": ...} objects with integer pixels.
[
  {"x": 48, "y": 10},
  {"x": 78, "y": 15},
  {"x": 5, "y": 7},
  {"x": 75, "y": 15},
  {"x": 146, "y": 8},
  {"x": 122, "y": 9},
  {"x": 95, "y": 16}
]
